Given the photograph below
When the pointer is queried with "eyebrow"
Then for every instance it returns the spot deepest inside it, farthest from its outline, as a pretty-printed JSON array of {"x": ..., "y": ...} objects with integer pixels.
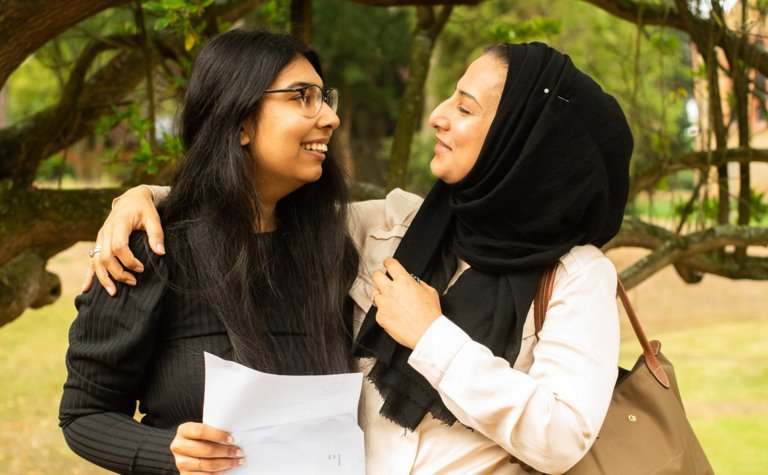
[
  {"x": 300, "y": 84},
  {"x": 470, "y": 97}
]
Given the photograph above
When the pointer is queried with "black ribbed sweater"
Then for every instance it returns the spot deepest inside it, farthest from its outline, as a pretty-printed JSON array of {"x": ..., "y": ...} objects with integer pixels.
[{"x": 143, "y": 345}]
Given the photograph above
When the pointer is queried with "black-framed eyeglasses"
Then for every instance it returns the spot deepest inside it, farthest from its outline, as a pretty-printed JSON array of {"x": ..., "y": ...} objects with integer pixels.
[{"x": 312, "y": 98}]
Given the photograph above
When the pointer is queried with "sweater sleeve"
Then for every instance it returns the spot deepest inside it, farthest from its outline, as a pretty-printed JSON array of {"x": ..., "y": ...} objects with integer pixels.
[
  {"x": 549, "y": 416},
  {"x": 111, "y": 343}
]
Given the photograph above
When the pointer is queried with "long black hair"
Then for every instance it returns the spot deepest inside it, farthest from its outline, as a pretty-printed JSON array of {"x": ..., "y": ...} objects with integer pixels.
[{"x": 305, "y": 268}]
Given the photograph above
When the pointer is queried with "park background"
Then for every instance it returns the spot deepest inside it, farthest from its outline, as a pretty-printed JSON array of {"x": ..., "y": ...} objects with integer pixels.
[{"x": 87, "y": 107}]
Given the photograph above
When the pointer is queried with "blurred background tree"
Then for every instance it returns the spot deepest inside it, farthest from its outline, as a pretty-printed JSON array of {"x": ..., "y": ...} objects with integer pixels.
[{"x": 90, "y": 90}]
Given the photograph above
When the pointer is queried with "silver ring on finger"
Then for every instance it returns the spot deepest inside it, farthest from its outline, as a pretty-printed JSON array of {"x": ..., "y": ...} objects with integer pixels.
[{"x": 94, "y": 250}]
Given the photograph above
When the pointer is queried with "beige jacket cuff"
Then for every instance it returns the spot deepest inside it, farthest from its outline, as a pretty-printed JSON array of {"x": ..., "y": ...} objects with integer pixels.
[
  {"x": 159, "y": 194},
  {"x": 436, "y": 349}
]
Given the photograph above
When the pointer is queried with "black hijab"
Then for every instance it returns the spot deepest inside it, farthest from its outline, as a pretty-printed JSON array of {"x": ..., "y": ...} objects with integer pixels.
[{"x": 553, "y": 173}]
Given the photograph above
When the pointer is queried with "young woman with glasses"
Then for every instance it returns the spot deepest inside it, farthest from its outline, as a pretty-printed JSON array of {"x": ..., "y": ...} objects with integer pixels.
[
  {"x": 258, "y": 204},
  {"x": 532, "y": 160}
]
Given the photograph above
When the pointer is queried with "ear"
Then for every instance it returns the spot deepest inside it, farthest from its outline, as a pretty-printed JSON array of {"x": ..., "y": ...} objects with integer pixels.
[{"x": 245, "y": 139}]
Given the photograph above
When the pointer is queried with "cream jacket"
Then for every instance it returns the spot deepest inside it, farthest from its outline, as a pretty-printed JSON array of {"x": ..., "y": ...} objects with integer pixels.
[{"x": 546, "y": 410}]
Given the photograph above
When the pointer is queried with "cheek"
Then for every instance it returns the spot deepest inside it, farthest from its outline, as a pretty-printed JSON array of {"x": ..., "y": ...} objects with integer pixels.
[
  {"x": 469, "y": 136},
  {"x": 469, "y": 141}
]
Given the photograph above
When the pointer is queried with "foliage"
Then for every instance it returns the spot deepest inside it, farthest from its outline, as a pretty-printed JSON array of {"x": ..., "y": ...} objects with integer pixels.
[
  {"x": 31, "y": 89},
  {"x": 271, "y": 15},
  {"x": 39, "y": 81},
  {"x": 651, "y": 88},
  {"x": 178, "y": 15},
  {"x": 55, "y": 167},
  {"x": 706, "y": 210},
  {"x": 134, "y": 139},
  {"x": 519, "y": 32},
  {"x": 367, "y": 61}
]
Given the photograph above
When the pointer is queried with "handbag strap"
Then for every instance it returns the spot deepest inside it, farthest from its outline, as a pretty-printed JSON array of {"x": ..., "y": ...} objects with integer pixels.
[{"x": 544, "y": 295}]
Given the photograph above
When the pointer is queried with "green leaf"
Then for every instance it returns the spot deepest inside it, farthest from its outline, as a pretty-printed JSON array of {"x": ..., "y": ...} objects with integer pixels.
[
  {"x": 155, "y": 7},
  {"x": 162, "y": 23},
  {"x": 175, "y": 4}
]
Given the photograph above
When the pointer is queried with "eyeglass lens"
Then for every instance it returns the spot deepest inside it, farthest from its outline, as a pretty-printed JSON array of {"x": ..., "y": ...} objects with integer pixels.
[{"x": 313, "y": 100}]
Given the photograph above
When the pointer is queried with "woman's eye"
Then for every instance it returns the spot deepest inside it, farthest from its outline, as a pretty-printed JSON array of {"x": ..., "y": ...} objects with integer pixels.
[{"x": 463, "y": 110}]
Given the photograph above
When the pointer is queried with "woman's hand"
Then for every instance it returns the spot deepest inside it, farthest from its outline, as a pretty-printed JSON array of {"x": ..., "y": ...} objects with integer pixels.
[
  {"x": 199, "y": 448},
  {"x": 406, "y": 307},
  {"x": 135, "y": 210}
]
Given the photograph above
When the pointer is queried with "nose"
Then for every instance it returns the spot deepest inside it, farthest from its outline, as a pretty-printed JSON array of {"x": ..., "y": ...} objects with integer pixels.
[
  {"x": 327, "y": 117},
  {"x": 438, "y": 119}
]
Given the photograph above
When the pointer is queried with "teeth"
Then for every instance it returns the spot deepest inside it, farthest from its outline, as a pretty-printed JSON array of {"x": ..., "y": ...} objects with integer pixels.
[{"x": 317, "y": 147}]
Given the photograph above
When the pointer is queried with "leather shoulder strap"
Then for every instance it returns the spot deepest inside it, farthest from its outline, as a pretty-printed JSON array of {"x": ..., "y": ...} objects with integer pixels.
[{"x": 544, "y": 295}]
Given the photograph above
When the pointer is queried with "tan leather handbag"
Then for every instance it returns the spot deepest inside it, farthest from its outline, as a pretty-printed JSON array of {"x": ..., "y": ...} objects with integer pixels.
[{"x": 646, "y": 430}]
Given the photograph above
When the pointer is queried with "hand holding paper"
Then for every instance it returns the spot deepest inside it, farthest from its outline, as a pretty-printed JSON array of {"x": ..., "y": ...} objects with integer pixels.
[{"x": 286, "y": 424}]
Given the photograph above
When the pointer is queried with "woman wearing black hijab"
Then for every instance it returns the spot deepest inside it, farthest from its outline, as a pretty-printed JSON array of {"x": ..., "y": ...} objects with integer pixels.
[
  {"x": 532, "y": 159},
  {"x": 546, "y": 183}
]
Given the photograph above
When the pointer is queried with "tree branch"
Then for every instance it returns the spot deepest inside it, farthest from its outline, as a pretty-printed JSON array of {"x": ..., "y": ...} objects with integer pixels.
[
  {"x": 693, "y": 24},
  {"x": 27, "y": 25},
  {"x": 406, "y": 3},
  {"x": 693, "y": 251},
  {"x": 49, "y": 221},
  {"x": 651, "y": 14},
  {"x": 647, "y": 177},
  {"x": 34, "y": 226},
  {"x": 23, "y": 146},
  {"x": 24, "y": 282}
]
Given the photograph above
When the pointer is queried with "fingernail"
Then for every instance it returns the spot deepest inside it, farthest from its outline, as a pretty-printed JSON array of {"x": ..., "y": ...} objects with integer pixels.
[
  {"x": 82, "y": 289},
  {"x": 230, "y": 439},
  {"x": 139, "y": 268},
  {"x": 160, "y": 247},
  {"x": 111, "y": 291},
  {"x": 239, "y": 453},
  {"x": 241, "y": 461}
]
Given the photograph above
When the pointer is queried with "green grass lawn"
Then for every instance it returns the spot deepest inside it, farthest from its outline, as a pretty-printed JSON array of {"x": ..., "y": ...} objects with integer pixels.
[
  {"x": 722, "y": 370},
  {"x": 32, "y": 374}
]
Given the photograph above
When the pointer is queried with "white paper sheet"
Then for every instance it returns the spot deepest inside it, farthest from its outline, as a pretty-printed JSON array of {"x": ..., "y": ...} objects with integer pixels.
[{"x": 286, "y": 424}]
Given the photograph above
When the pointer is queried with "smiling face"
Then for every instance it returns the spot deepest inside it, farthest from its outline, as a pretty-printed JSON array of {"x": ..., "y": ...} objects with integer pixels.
[
  {"x": 462, "y": 121},
  {"x": 288, "y": 147}
]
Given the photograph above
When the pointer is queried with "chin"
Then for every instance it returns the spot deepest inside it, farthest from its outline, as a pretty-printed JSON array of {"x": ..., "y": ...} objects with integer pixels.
[
  {"x": 442, "y": 174},
  {"x": 435, "y": 168}
]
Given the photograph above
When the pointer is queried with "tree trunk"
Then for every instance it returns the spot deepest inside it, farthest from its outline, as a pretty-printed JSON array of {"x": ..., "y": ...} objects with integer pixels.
[
  {"x": 3, "y": 106},
  {"x": 301, "y": 20},
  {"x": 26, "y": 25},
  {"x": 429, "y": 24}
]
